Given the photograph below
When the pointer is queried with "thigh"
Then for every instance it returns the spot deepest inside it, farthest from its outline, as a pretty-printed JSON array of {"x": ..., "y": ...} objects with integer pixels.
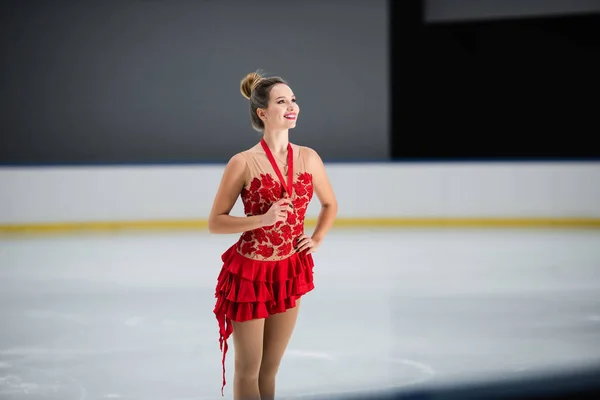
[
  {"x": 278, "y": 331},
  {"x": 248, "y": 345}
]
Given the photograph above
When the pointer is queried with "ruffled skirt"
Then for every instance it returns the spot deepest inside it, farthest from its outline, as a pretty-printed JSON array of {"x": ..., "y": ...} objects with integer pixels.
[{"x": 252, "y": 289}]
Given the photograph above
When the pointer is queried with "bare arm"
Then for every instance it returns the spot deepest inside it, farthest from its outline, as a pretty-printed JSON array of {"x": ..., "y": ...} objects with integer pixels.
[
  {"x": 230, "y": 187},
  {"x": 324, "y": 193}
]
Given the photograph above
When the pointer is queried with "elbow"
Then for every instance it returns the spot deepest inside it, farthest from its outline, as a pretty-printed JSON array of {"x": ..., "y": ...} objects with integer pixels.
[
  {"x": 331, "y": 206},
  {"x": 212, "y": 225},
  {"x": 216, "y": 224}
]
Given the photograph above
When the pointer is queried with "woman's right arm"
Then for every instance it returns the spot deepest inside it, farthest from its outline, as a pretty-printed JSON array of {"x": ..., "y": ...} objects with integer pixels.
[{"x": 231, "y": 185}]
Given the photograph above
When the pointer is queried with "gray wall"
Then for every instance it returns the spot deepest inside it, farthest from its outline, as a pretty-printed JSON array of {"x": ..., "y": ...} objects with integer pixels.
[
  {"x": 455, "y": 10},
  {"x": 156, "y": 81}
]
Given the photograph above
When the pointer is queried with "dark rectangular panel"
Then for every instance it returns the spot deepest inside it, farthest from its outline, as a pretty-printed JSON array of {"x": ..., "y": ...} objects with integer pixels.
[{"x": 510, "y": 88}]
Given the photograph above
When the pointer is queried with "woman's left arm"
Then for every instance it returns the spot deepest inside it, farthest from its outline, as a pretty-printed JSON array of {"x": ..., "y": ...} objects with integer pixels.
[{"x": 324, "y": 192}]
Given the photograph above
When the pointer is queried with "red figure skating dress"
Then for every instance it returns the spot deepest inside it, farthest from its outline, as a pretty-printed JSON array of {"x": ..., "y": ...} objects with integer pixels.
[{"x": 262, "y": 274}]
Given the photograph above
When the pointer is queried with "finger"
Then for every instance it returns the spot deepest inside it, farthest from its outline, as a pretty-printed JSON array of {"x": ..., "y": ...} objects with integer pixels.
[
  {"x": 301, "y": 243},
  {"x": 305, "y": 244},
  {"x": 301, "y": 238},
  {"x": 284, "y": 204}
]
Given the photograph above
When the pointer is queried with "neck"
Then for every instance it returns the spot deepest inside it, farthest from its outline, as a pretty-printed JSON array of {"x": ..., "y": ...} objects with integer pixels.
[{"x": 277, "y": 140}]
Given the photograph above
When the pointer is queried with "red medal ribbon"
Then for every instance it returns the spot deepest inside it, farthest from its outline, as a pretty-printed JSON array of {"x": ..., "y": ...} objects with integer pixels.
[{"x": 290, "y": 156}]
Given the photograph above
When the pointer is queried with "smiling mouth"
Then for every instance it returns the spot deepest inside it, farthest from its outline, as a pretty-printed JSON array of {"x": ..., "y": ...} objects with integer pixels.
[{"x": 290, "y": 116}]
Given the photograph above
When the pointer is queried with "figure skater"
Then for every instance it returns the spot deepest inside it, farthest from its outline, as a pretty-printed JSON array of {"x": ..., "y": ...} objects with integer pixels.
[{"x": 271, "y": 266}]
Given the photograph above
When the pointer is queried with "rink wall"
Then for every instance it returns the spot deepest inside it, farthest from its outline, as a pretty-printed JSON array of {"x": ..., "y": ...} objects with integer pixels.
[{"x": 525, "y": 194}]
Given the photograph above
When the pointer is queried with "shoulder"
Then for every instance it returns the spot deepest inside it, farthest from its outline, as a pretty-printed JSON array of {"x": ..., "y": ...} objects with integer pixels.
[
  {"x": 237, "y": 159},
  {"x": 237, "y": 162},
  {"x": 245, "y": 155},
  {"x": 310, "y": 155}
]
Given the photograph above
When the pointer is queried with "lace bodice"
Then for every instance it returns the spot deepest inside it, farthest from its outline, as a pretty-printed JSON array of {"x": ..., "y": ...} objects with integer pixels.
[{"x": 261, "y": 191}]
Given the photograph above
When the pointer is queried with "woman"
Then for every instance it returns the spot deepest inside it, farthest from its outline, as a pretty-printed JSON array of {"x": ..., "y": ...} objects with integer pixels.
[{"x": 271, "y": 266}]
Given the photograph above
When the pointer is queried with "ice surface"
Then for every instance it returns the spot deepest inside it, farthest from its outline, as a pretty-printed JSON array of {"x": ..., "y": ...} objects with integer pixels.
[{"x": 129, "y": 315}]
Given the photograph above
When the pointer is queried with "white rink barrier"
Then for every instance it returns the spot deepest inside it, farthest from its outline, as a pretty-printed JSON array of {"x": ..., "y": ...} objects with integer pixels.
[{"x": 369, "y": 194}]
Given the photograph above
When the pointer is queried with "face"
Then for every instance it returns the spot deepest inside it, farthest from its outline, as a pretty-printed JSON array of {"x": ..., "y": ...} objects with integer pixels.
[{"x": 282, "y": 112}]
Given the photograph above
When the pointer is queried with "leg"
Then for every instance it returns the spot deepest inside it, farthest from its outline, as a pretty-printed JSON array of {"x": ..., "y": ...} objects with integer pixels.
[
  {"x": 248, "y": 345},
  {"x": 278, "y": 331}
]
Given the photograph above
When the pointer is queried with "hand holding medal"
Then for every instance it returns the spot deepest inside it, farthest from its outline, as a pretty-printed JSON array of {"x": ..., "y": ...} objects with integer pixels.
[{"x": 278, "y": 212}]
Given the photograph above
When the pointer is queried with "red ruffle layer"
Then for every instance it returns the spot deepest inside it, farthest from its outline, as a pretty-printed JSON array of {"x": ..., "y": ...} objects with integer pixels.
[{"x": 251, "y": 289}]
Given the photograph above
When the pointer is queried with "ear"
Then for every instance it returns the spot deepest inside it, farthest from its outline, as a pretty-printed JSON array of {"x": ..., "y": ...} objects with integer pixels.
[{"x": 261, "y": 114}]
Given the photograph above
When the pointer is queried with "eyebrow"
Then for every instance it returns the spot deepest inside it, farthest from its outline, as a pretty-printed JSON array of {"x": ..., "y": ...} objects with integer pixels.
[{"x": 283, "y": 97}]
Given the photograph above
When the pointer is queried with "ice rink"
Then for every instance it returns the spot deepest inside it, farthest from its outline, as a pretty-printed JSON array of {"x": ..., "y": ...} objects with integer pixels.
[{"x": 128, "y": 315}]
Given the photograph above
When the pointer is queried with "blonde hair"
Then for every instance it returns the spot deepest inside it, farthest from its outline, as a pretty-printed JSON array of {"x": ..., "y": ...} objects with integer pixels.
[{"x": 257, "y": 88}]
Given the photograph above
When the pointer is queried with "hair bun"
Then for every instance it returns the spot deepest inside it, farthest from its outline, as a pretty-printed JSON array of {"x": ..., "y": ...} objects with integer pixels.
[{"x": 249, "y": 83}]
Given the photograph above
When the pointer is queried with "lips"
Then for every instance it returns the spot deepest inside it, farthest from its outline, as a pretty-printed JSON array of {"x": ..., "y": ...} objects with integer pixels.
[{"x": 289, "y": 116}]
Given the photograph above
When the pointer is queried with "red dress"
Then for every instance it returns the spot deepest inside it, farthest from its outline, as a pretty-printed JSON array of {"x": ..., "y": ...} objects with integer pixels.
[{"x": 262, "y": 274}]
